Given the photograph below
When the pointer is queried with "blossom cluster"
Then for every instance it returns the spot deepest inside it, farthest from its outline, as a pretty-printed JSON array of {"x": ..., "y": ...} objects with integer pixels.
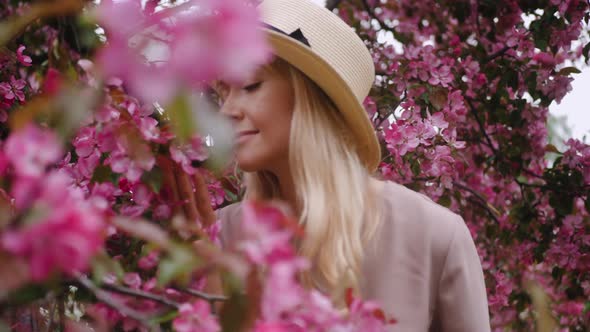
[
  {"x": 78, "y": 206},
  {"x": 266, "y": 236},
  {"x": 461, "y": 104},
  {"x": 61, "y": 227}
]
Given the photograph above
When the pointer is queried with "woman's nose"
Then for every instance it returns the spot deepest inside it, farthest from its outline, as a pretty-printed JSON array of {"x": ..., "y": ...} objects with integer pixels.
[{"x": 231, "y": 109}]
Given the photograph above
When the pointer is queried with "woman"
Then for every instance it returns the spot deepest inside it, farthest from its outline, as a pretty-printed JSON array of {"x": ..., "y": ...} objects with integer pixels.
[{"x": 303, "y": 137}]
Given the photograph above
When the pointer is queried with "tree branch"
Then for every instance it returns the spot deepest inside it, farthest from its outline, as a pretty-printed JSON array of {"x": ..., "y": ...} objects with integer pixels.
[
  {"x": 107, "y": 299},
  {"x": 202, "y": 295},
  {"x": 483, "y": 202},
  {"x": 495, "y": 55},
  {"x": 142, "y": 294},
  {"x": 481, "y": 126},
  {"x": 375, "y": 17}
]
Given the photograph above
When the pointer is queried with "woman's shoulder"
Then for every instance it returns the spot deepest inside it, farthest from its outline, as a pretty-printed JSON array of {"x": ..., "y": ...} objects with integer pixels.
[
  {"x": 230, "y": 217},
  {"x": 229, "y": 211},
  {"x": 421, "y": 219},
  {"x": 416, "y": 208}
]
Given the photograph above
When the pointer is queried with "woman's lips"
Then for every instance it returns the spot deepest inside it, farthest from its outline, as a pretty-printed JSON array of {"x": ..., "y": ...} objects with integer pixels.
[{"x": 244, "y": 135}]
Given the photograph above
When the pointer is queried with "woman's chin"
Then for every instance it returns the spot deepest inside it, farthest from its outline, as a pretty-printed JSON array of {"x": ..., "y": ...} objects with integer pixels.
[{"x": 248, "y": 164}]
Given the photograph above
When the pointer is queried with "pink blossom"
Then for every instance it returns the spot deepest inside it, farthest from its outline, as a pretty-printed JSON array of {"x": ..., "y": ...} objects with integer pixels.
[
  {"x": 141, "y": 197},
  {"x": 85, "y": 141},
  {"x": 265, "y": 232},
  {"x": 31, "y": 149},
  {"x": 204, "y": 35},
  {"x": 195, "y": 317},
  {"x": 571, "y": 308},
  {"x": 544, "y": 59},
  {"x": 3, "y": 113},
  {"x": 149, "y": 261},
  {"x": 25, "y": 60},
  {"x": 122, "y": 163},
  {"x": 65, "y": 240},
  {"x": 185, "y": 154},
  {"x": 365, "y": 316},
  {"x": 281, "y": 280},
  {"x": 438, "y": 120},
  {"x": 403, "y": 139},
  {"x": 503, "y": 289},
  {"x": 442, "y": 76},
  {"x": 13, "y": 89},
  {"x": 213, "y": 231},
  {"x": 216, "y": 193},
  {"x": 87, "y": 165},
  {"x": 132, "y": 280},
  {"x": 228, "y": 54},
  {"x": 53, "y": 82},
  {"x": 571, "y": 223}
]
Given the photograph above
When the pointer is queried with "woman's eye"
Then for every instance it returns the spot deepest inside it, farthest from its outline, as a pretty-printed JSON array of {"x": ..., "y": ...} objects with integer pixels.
[
  {"x": 215, "y": 97},
  {"x": 252, "y": 87}
]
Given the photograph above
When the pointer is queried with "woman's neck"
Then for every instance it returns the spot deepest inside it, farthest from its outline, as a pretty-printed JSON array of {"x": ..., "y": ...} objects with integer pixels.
[{"x": 287, "y": 188}]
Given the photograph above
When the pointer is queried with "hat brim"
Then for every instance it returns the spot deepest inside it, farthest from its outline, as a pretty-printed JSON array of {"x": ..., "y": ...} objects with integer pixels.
[{"x": 317, "y": 69}]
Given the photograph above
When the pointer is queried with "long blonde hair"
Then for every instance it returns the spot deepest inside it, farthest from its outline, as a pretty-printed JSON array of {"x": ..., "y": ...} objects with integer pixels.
[{"x": 338, "y": 207}]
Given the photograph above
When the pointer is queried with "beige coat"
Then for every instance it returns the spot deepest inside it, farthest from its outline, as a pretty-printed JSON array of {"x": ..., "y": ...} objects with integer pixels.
[{"x": 423, "y": 268}]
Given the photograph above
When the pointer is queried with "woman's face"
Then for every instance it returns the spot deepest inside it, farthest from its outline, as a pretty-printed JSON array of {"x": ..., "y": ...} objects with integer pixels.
[{"x": 260, "y": 109}]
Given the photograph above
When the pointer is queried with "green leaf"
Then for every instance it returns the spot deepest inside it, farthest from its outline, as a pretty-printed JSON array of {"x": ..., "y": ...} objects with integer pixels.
[
  {"x": 4, "y": 327},
  {"x": 415, "y": 167},
  {"x": 445, "y": 200},
  {"x": 551, "y": 148},
  {"x": 101, "y": 174},
  {"x": 102, "y": 264},
  {"x": 181, "y": 116},
  {"x": 165, "y": 317},
  {"x": 178, "y": 265},
  {"x": 153, "y": 179},
  {"x": 563, "y": 204},
  {"x": 586, "y": 52},
  {"x": 569, "y": 70},
  {"x": 26, "y": 294}
]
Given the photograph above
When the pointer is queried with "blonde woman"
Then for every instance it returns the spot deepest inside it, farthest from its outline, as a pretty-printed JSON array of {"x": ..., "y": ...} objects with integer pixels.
[{"x": 303, "y": 137}]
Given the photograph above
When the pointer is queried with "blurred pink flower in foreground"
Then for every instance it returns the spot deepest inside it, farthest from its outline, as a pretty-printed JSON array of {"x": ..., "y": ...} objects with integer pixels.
[
  {"x": 185, "y": 154},
  {"x": 286, "y": 305},
  {"x": 196, "y": 317},
  {"x": 64, "y": 240},
  {"x": 31, "y": 150},
  {"x": 61, "y": 230},
  {"x": 210, "y": 39}
]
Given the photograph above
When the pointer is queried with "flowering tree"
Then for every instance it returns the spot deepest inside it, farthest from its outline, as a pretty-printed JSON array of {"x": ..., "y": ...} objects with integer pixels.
[
  {"x": 462, "y": 109},
  {"x": 94, "y": 137}
]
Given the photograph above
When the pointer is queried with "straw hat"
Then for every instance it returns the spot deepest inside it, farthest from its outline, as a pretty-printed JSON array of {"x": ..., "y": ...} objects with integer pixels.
[{"x": 325, "y": 48}]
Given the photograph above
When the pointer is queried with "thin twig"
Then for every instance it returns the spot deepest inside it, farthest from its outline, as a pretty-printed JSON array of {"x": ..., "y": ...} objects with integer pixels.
[
  {"x": 495, "y": 55},
  {"x": 375, "y": 17},
  {"x": 142, "y": 294},
  {"x": 486, "y": 208},
  {"x": 107, "y": 299},
  {"x": 61, "y": 307},
  {"x": 202, "y": 295},
  {"x": 481, "y": 126},
  {"x": 390, "y": 113},
  {"x": 482, "y": 200}
]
